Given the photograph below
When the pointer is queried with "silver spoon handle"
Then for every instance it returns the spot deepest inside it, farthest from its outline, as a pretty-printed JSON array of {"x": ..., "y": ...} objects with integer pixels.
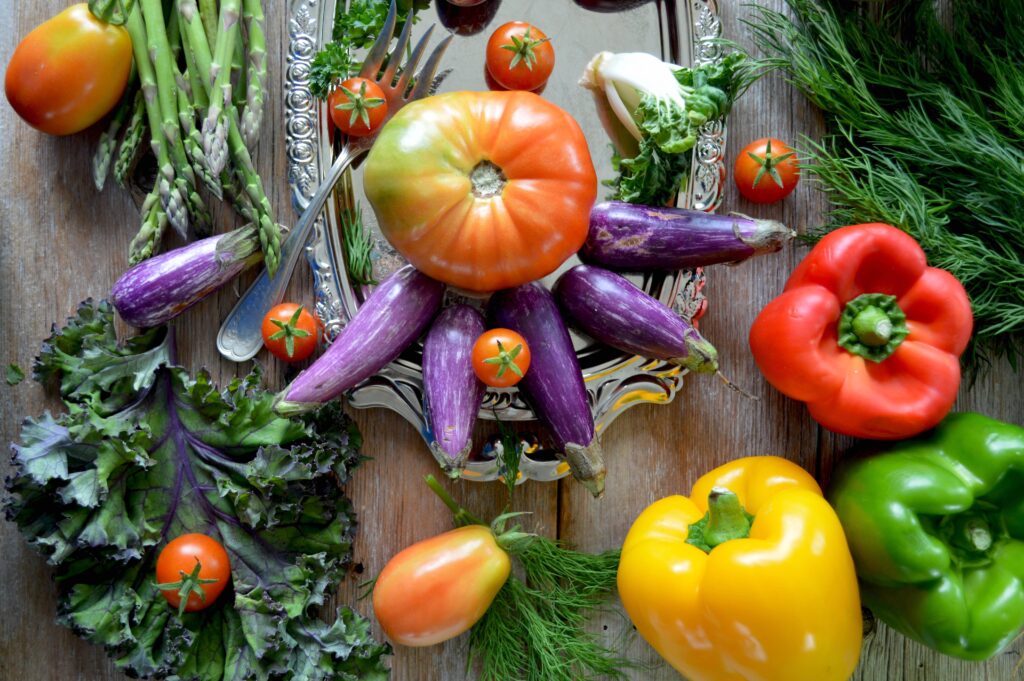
[{"x": 239, "y": 338}]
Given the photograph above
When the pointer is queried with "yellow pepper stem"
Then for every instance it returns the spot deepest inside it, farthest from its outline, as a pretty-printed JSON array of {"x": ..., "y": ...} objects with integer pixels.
[{"x": 725, "y": 520}]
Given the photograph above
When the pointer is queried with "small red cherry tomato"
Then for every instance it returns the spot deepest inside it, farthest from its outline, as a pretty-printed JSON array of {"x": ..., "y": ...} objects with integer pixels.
[
  {"x": 358, "y": 107},
  {"x": 193, "y": 566},
  {"x": 766, "y": 170},
  {"x": 290, "y": 332},
  {"x": 520, "y": 56},
  {"x": 500, "y": 358},
  {"x": 438, "y": 588}
]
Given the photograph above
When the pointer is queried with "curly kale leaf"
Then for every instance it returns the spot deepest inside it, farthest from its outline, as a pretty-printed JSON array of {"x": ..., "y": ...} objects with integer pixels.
[{"x": 145, "y": 453}]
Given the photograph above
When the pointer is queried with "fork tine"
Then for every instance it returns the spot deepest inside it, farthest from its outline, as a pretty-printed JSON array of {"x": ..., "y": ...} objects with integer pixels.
[
  {"x": 398, "y": 52},
  {"x": 374, "y": 59},
  {"x": 410, "y": 66},
  {"x": 425, "y": 78}
]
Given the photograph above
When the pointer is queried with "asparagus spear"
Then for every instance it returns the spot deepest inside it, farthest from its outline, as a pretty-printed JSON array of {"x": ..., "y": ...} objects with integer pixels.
[
  {"x": 131, "y": 141},
  {"x": 256, "y": 76},
  {"x": 173, "y": 203},
  {"x": 215, "y": 125},
  {"x": 270, "y": 234},
  {"x": 108, "y": 140}
]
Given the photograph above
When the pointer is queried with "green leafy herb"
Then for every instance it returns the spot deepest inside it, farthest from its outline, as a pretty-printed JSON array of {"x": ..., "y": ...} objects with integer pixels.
[
  {"x": 358, "y": 247},
  {"x": 354, "y": 29},
  {"x": 14, "y": 374},
  {"x": 656, "y": 174},
  {"x": 145, "y": 453},
  {"x": 926, "y": 133},
  {"x": 535, "y": 629}
]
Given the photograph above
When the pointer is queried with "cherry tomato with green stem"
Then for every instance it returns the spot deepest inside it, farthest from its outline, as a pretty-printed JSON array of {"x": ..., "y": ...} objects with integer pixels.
[
  {"x": 69, "y": 71},
  {"x": 520, "y": 56},
  {"x": 358, "y": 107},
  {"x": 191, "y": 571},
  {"x": 766, "y": 170},
  {"x": 290, "y": 332},
  {"x": 500, "y": 358}
]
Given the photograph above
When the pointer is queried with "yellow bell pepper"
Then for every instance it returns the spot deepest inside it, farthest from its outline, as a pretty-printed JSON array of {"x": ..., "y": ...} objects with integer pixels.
[{"x": 762, "y": 588}]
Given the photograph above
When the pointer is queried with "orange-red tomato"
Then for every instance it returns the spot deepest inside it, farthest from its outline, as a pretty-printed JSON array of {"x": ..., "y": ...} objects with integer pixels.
[
  {"x": 290, "y": 332},
  {"x": 358, "y": 107},
  {"x": 766, "y": 170},
  {"x": 520, "y": 56},
  {"x": 69, "y": 71},
  {"x": 500, "y": 358},
  {"x": 438, "y": 588},
  {"x": 180, "y": 556},
  {"x": 482, "y": 190}
]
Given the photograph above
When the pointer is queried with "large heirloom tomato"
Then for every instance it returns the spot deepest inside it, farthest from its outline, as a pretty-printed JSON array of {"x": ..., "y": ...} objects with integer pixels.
[
  {"x": 482, "y": 190},
  {"x": 69, "y": 71}
]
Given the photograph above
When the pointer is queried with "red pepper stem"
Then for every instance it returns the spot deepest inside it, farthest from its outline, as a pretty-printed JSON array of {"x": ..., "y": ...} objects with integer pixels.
[
  {"x": 872, "y": 326},
  {"x": 461, "y": 516}
]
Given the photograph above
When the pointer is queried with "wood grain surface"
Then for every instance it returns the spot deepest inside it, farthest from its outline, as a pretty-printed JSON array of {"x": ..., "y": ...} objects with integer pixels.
[{"x": 61, "y": 242}]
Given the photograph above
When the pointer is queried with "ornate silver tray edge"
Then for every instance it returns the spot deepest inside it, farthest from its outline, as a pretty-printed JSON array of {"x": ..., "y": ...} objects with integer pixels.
[{"x": 614, "y": 385}]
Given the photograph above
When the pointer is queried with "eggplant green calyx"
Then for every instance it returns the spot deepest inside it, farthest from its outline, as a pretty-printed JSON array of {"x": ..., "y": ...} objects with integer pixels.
[
  {"x": 872, "y": 326},
  {"x": 359, "y": 104},
  {"x": 768, "y": 163},
  {"x": 523, "y": 48},
  {"x": 190, "y": 583},
  {"x": 289, "y": 331},
  {"x": 725, "y": 520},
  {"x": 506, "y": 360}
]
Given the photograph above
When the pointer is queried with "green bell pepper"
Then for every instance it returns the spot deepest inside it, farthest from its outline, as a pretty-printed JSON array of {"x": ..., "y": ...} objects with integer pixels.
[{"x": 936, "y": 529}]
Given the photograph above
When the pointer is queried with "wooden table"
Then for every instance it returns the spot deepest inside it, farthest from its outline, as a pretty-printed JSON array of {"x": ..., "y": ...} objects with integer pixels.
[{"x": 60, "y": 243}]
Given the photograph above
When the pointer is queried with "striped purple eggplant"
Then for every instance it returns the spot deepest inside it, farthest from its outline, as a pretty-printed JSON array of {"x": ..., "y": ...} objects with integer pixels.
[
  {"x": 160, "y": 288},
  {"x": 397, "y": 313},
  {"x": 616, "y": 312},
  {"x": 634, "y": 238},
  {"x": 452, "y": 392},
  {"x": 553, "y": 385}
]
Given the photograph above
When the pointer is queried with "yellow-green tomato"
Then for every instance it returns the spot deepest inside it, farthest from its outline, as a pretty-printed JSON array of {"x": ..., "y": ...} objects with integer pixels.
[
  {"x": 69, "y": 71},
  {"x": 438, "y": 588}
]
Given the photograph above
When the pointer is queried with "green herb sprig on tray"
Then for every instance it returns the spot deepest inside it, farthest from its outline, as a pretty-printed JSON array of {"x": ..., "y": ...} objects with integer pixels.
[
  {"x": 145, "y": 452},
  {"x": 926, "y": 123}
]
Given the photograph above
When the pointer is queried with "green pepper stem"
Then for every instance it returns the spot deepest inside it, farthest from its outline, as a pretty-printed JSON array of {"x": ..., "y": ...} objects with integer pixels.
[{"x": 872, "y": 326}]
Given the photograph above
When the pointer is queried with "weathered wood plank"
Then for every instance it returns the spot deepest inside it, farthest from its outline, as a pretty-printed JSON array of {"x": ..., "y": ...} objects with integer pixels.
[{"x": 60, "y": 242}]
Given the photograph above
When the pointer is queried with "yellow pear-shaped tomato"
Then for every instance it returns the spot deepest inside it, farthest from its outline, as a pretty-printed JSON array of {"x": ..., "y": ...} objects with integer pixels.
[
  {"x": 438, "y": 588},
  {"x": 69, "y": 71},
  {"x": 482, "y": 190}
]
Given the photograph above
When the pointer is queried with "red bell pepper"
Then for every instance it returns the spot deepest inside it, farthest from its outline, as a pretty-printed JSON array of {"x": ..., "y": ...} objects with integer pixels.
[{"x": 866, "y": 334}]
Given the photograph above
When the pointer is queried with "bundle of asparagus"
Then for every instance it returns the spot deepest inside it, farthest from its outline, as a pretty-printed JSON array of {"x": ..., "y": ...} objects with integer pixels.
[{"x": 197, "y": 86}]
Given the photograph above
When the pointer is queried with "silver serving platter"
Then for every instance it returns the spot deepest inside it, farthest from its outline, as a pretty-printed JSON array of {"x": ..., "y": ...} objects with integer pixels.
[{"x": 683, "y": 32}]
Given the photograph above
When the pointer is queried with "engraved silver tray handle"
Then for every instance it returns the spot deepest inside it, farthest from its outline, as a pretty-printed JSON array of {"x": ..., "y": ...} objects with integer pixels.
[{"x": 685, "y": 33}]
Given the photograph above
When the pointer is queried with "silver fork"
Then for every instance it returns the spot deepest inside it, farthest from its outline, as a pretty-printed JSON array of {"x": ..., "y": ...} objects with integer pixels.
[{"x": 239, "y": 338}]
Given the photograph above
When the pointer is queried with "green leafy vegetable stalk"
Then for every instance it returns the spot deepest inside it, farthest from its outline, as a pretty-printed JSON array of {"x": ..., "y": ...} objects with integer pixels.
[
  {"x": 535, "y": 627},
  {"x": 144, "y": 453},
  {"x": 656, "y": 174},
  {"x": 926, "y": 122}
]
